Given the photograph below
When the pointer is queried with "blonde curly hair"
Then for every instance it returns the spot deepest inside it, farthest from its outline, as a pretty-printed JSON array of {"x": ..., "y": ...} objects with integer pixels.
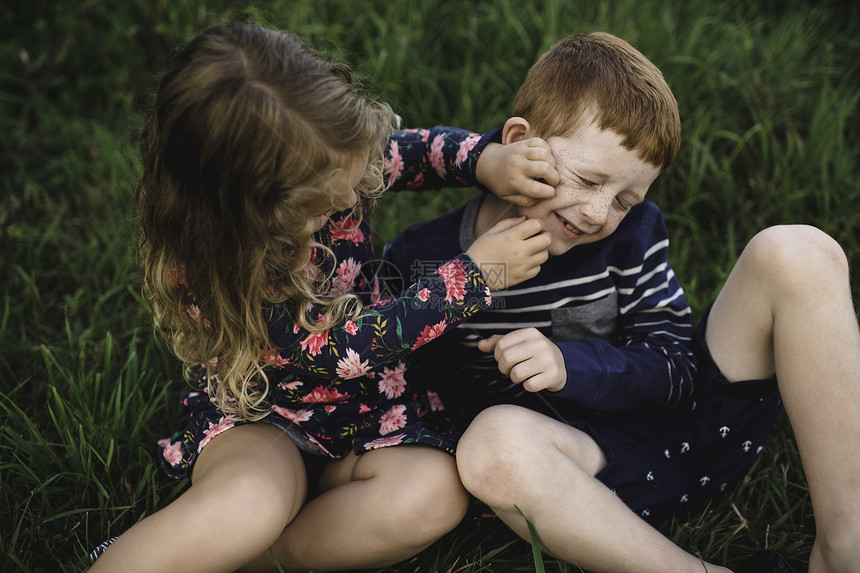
[{"x": 247, "y": 130}]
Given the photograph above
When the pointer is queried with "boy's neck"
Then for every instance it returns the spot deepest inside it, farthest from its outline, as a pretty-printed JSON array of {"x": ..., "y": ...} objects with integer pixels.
[{"x": 491, "y": 211}]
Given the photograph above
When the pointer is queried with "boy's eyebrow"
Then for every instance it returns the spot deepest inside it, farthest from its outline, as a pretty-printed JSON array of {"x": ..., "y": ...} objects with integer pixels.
[{"x": 592, "y": 173}]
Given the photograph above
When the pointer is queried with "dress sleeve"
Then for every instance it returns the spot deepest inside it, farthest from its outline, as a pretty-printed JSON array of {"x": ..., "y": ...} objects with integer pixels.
[
  {"x": 391, "y": 326},
  {"x": 419, "y": 159},
  {"x": 384, "y": 331},
  {"x": 650, "y": 363}
]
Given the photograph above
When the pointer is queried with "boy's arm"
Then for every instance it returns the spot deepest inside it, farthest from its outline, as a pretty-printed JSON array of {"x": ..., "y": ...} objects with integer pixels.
[
  {"x": 593, "y": 373},
  {"x": 419, "y": 159}
]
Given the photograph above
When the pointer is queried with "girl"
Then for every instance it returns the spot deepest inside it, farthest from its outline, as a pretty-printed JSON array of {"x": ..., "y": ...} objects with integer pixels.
[{"x": 260, "y": 160}]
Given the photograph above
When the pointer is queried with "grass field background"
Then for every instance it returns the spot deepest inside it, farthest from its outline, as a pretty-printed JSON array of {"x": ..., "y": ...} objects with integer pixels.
[{"x": 769, "y": 100}]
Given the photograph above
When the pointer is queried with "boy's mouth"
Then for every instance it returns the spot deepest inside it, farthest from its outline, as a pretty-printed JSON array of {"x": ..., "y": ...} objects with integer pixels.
[{"x": 570, "y": 230}]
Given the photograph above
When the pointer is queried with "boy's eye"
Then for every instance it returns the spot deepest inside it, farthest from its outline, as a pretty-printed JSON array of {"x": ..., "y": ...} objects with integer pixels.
[
  {"x": 587, "y": 183},
  {"x": 622, "y": 204}
]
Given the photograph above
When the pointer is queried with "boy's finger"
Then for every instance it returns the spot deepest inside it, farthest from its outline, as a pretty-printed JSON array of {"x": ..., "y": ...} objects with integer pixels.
[{"x": 488, "y": 344}]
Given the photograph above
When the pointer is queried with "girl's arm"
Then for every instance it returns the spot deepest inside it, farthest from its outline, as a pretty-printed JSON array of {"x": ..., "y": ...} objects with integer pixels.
[
  {"x": 385, "y": 330},
  {"x": 394, "y": 325},
  {"x": 419, "y": 159}
]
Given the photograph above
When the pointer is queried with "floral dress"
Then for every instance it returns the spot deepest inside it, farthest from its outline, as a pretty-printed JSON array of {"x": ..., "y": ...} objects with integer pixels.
[{"x": 348, "y": 388}]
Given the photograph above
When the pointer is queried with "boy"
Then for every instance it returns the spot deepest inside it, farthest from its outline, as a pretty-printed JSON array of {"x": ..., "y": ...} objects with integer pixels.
[{"x": 612, "y": 413}]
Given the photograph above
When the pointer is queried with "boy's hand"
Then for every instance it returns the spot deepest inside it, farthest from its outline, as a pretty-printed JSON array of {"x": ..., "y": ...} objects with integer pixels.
[
  {"x": 510, "y": 252},
  {"x": 528, "y": 358},
  {"x": 522, "y": 172}
]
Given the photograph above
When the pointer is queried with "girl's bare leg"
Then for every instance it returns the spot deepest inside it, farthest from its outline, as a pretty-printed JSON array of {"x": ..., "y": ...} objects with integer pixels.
[
  {"x": 375, "y": 510},
  {"x": 511, "y": 456},
  {"x": 787, "y": 308},
  {"x": 248, "y": 483}
]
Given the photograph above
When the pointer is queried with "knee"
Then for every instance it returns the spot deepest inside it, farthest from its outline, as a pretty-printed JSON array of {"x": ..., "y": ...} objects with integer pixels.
[
  {"x": 429, "y": 500},
  {"x": 494, "y": 456},
  {"x": 251, "y": 491},
  {"x": 794, "y": 256}
]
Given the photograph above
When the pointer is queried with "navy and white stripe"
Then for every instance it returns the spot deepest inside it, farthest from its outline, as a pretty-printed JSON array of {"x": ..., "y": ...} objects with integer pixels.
[{"x": 614, "y": 308}]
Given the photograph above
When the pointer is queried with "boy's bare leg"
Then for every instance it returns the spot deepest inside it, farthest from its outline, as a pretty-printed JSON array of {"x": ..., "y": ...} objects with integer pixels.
[
  {"x": 786, "y": 308},
  {"x": 375, "y": 510},
  {"x": 514, "y": 456},
  {"x": 247, "y": 485}
]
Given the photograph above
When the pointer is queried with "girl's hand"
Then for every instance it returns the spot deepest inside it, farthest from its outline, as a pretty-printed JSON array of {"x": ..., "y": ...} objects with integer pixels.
[
  {"x": 510, "y": 252},
  {"x": 522, "y": 172},
  {"x": 528, "y": 358}
]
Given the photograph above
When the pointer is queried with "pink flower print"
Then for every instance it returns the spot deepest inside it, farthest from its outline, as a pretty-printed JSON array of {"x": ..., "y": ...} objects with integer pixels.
[
  {"x": 172, "y": 452},
  {"x": 330, "y": 409},
  {"x": 425, "y": 135},
  {"x": 191, "y": 395},
  {"x": 454, "y": 276},
  {"x": 436, "y": 159},
  {"x": 350, "y": 327},
  {"x": 351, "y": 366},
  {"x": 193, "y": 311},
  {"x": 488, "y": 298},
  {"x": 346, "y": 229},
  {"x": 296, "y": 328},
  {"x": 294, "y": 416},
  {"x": 375, "y": 292},
  {"x": 345, "y": 276},
  {"x": 429, "y": 333},
  {"x": 424, "y": 294},
  {"x": 417, "y": 182},
  {"x": 386, "y": 441},
  {"x": 314, "y": 342},
  {"x": 435, "y": 402},
  {"x": 295, "y": 384},
  {"x": 391, "y": 382},
  {"x": 272, "y": 358},
  {"x": 214, "y": 430},
  {"x": 465, "y": 147},
  {"x": 363, "y": 409},
  {"x": 177, "y": 275},
  {"x": 394, "y": 164},
  {"x": 393, "y": 419},
  {"x": 321, "y": 394}
]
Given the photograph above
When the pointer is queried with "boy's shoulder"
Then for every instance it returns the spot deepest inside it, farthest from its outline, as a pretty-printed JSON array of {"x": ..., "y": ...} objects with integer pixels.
[
  {"x": 645, "y": 215},
  {"x": 440, "y": 235}
]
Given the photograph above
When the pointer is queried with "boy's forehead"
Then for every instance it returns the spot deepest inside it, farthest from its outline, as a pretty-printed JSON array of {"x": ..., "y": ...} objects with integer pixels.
[
  {"x": 600, "y": 150},
  {"x": 597, "y": 156}
]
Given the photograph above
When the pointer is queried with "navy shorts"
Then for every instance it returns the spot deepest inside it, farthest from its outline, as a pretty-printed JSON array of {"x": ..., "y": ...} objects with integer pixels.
[{"x": 665, "y": 466}]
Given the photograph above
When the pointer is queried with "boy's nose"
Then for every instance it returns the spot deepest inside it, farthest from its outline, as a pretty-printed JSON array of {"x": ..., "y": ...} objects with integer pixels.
[{"x": 596, "y": 210}]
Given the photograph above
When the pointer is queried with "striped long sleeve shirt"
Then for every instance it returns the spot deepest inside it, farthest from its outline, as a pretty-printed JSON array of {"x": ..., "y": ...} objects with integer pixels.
[{"x": 614, "y": 308}]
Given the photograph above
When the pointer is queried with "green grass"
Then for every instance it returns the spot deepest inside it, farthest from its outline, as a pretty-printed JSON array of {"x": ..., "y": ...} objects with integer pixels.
[{"x": 769, "y": 99}]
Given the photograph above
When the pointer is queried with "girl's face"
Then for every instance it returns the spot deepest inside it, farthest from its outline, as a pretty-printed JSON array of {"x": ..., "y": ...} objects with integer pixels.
[{"x": 342, "y": 193}]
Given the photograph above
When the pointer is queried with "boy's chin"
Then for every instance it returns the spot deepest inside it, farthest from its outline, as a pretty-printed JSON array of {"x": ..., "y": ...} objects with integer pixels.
[{"x": 558, "y": 250}]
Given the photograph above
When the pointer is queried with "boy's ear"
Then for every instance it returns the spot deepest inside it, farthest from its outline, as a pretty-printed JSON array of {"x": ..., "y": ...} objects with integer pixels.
[{"x": 516, "y": 129}]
